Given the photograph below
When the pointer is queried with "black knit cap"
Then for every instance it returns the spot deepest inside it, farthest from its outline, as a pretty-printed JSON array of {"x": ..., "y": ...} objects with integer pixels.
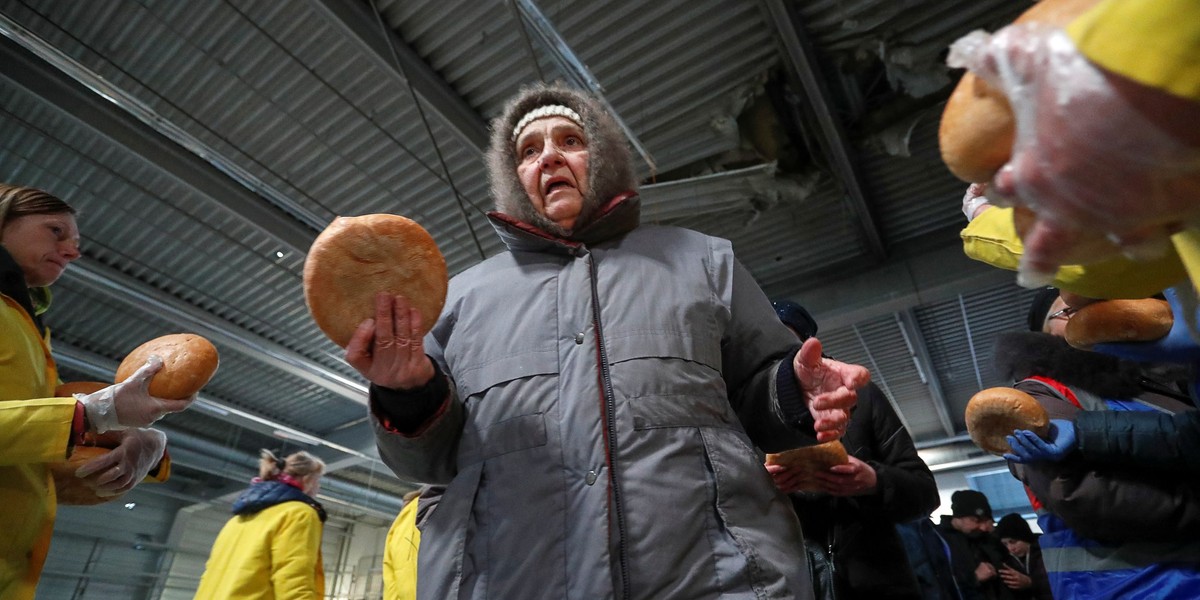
[
  {"x": 1040, "y": 307},
  {"x": 970, "y": 503},
  {"x": 1014, "y": 526}
]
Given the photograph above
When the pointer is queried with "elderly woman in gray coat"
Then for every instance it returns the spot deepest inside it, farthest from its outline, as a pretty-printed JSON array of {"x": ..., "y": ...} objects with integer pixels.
[{"x": 595, "y": 399}]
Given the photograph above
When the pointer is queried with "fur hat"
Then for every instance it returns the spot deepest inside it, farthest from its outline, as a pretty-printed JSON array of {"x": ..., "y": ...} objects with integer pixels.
[
  {"x": 610, "y": 163},
  {"x": 970, "y": 503},
  {"x": 1014, "y": 526}
]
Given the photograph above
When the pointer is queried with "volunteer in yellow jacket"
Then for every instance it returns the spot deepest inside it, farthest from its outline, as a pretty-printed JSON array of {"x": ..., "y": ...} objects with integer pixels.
[
  {"x": 1106, "y": 129},
  {"x": 271, "y": 548},
  {"x": 38, "y": 239}
]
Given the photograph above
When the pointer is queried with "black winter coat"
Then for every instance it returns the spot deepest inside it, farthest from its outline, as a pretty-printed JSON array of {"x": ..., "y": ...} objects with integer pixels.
[{"x": 868, "y": 553}]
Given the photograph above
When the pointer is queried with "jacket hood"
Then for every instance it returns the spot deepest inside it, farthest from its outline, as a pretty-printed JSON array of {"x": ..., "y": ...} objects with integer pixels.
[
  {"x": 1023, "y": 355},
  {"x": 262, "y": 495},
  {"x": 610, "y": 163}
]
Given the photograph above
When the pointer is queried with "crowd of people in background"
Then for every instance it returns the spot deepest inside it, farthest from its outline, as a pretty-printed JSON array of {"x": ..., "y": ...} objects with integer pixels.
[{"x": 590, "y": 411}]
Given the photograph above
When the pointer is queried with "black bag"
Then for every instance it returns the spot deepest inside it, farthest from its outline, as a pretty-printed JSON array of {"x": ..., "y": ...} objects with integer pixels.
[{"x": 821, "y": 570}]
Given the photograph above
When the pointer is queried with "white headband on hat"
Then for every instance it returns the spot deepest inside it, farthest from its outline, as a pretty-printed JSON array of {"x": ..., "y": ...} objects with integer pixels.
[{"x": 541, "y": 112}]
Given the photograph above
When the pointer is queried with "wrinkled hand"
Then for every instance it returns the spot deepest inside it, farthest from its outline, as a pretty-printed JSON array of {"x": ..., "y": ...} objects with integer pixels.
[
  {"x": 1177, "y": 346},
  {"x": 129, "y": 403},
  {"x": 1027, "y": 447},
  {"x": 389, "y": 350},
  {"x": 1091, "y": 152},
  {"x": 828, "y": 387},
  {"x": 854, "y": 478},
  {"x": 125, "y": 466},
  {"x": 1014, "y": 579}
]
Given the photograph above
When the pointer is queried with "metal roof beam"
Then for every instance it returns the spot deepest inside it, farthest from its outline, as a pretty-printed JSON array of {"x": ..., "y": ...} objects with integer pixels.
[
  {"x": 94, "y": 103},
  {"x": 803, "y": 68},
  {"x": 140, "y": 297},
  {"x": 104, "y": 369},
  {"x": 910, "y": 328},
  {"x": 355, "y": 18}
]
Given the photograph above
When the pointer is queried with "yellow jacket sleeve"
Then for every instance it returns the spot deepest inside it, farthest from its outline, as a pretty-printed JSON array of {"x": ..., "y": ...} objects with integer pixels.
[
  {"x": 992, "y": 238},
  {"x": 1153, "y": 42},
  {"x": 35, "y": 431},
  {"x": 400, "y": 555},
  {"x": 296, "y": 570}
]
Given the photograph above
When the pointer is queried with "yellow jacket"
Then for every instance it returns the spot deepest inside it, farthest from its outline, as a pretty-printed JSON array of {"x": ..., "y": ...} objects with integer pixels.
[
  {"x": 273, "y": 554},
  {"x": 36, "y": 431},
  {"x": 1156, "y": 43},
  {"x": 400, "y": 555},
  {"x": 992, "y": 238}
]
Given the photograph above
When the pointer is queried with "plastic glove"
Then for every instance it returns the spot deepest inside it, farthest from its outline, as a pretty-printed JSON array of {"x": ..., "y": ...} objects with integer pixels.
[
  {"x": 1089, "y": 153},
  {"x": 974, "y": 201},
  {"x": 129, "y": 403},
  {"x": 1177, "y": 346},
  {"x": 1027, "y": 447},
  {"x": 126, "y": 465}
]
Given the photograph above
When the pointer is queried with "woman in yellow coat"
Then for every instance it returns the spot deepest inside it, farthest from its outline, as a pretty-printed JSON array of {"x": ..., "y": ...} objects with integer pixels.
[
  {"x": 38, "y": 239},
  {"x": 271, "y": 548}
]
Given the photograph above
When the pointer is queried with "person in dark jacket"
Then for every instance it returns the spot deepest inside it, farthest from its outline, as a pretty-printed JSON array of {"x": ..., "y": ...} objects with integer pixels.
[
  {"x": 852, "y": 521},
  {"x": 976, "y": 552},
  {"x": 1028, "y": 577}
]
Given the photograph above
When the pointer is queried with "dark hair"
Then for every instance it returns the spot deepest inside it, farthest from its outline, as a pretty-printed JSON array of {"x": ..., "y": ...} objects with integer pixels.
[
  {"x": 19, "y": 201},
  {"x": 1040, "y": 308}
]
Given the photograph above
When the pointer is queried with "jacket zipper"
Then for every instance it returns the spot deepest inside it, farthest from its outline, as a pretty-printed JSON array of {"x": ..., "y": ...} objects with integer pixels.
[{"x": 610, "y": 410}]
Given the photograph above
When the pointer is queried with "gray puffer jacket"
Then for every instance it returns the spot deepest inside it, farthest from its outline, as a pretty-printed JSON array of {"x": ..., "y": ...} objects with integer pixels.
[{"x": 596, "y": 441}]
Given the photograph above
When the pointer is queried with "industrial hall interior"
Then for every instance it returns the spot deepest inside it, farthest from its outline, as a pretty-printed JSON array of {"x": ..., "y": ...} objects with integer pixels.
[{"x": 675, "y": 238}]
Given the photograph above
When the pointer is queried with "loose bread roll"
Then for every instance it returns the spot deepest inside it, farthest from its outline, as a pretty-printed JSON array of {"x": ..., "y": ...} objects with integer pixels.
[
  {"x": 189, "y": 361},
  {"x": 994, "y": 413},
  {"x": 69, "y": 389},
  {"x": 357, "y": 257},
  {"x": 977, "y": 129},
  {"x": 70, "y": 489},
  {"x": 810, "y": 460},
  {"x": 1143, "y": 320}
]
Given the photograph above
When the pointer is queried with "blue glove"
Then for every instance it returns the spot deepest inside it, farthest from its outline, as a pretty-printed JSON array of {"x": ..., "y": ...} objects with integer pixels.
[
  {"x": 1027, "y": 447},
  {"x": 1177, "y": 346}
]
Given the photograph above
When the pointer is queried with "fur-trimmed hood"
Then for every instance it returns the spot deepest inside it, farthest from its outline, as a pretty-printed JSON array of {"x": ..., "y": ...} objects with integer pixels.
[
  {"x": 610, "y": 163},
  {"x": 1021, "y": 355}
]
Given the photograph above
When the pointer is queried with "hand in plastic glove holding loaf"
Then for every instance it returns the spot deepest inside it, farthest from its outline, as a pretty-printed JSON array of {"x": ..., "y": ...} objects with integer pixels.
[{"x": 1095, "y": 150}]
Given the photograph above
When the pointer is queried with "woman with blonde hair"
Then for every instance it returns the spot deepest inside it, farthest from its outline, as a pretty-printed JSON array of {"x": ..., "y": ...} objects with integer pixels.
[{"x": 271, "y": 548}]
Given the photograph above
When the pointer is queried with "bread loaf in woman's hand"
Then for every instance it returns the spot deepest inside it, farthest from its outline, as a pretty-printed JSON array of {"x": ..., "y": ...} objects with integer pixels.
[{"x": 189, "y": 361}]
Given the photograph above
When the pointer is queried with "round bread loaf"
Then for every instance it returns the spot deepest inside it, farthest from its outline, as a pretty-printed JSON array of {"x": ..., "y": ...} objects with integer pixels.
[
  {"x": 69, "y": 389},
  {"x": 357, "y": 257},
  {"x": 70, "y": 489},
  {"x": 808, "y": 460},
  {"x": 189, "y": 361},
  {"x": 1141, "y": 320},
  {"x": 977, "y": 129},
  {"x": 994, "y": 413}
]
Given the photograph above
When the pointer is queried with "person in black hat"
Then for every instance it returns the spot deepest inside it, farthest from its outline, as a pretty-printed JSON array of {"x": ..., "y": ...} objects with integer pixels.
[
  {"x": 1027, "y": 577},
  {"x": 975, "y": 551}
]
